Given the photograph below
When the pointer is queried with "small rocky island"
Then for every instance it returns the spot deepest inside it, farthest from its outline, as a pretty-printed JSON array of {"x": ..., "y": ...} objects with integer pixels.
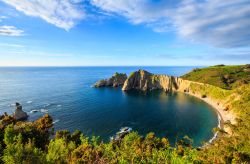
[
  {"x": 116, "y": 80},
  {"x": 19, "y": 114}
]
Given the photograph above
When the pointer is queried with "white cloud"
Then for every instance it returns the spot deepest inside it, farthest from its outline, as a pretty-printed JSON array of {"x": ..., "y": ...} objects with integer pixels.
[
  {"x": 218, "y": 23},
  {"x": 61, "y": 13},
  {"x": 10, "y": 31},
  {"x": 137, "y": 11}
]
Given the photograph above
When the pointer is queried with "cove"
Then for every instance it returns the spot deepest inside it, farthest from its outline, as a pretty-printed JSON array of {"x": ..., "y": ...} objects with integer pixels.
[
  {"x": 173, "y": 115},
  {"x": 67, "y": 96}
]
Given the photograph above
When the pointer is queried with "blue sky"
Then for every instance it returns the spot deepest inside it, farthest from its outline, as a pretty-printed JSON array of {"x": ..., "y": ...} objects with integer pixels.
[{"x": 124, "y": 32}]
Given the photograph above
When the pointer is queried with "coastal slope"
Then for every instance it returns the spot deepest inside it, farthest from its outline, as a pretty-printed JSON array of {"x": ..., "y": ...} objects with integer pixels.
[{"x": 226, "y": 77}]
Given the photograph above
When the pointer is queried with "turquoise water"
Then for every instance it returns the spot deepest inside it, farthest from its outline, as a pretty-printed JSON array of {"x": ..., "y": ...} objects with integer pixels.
[{"x": 66, "y": 94}]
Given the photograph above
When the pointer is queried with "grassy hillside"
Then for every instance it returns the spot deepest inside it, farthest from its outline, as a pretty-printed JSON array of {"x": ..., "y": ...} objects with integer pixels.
[{"x": 227, "y": 77}]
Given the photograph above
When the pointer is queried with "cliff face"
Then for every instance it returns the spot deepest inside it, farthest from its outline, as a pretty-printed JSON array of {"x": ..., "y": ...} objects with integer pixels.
[
  {"x": 116, "y": 80},
  {"x": 143, "y": 80}
]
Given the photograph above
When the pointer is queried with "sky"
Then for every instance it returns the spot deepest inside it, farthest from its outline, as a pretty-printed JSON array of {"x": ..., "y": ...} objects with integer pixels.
[{"x": 124, "y": 32}]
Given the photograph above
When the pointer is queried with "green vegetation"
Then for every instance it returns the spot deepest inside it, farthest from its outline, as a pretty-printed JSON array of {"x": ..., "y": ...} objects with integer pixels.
[
  {"x": 154, "y": 79},
  {"x": 20, "y": 144},
  {"x": 211, "y": 91},
  {"x": 131, "y": 74},
  {"x": 35, "y": 142},
  {"x": 227, "y": 77}
]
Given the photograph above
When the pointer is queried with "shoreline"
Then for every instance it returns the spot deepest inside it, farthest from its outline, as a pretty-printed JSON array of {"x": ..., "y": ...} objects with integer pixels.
[
  {"x": 223, "y": 115},
  {"x": 219, "y": 107}
]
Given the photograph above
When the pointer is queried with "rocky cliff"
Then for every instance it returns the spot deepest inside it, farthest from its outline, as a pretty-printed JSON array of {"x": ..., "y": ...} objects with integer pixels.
[
  {"x": 116, "y": 80},
  {"x": 143, "y": 80}
]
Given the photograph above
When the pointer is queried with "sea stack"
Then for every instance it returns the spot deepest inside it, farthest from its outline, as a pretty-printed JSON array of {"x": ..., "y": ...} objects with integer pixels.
[
  {"x": 19, "y": 114},
  {"x": 116, "y": 80}
]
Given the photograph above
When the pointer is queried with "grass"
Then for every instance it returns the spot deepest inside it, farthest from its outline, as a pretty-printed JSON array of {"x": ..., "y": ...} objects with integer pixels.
[{"x": 226, "y": 77}]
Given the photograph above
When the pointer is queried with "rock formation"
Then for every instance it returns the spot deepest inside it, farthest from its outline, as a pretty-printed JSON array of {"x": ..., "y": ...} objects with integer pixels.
[
  {"x": 19, "y": 114},
  {"x": 116, "y": 80},
  {"x": 143, "y": 80}
]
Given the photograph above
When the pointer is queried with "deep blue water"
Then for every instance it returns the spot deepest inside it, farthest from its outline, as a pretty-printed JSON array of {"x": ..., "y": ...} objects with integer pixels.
[{"x": 67, "y": 94}]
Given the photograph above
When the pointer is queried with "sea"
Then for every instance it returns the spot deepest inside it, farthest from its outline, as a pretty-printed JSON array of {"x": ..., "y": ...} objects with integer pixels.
[{"x": 66, "y": 93}]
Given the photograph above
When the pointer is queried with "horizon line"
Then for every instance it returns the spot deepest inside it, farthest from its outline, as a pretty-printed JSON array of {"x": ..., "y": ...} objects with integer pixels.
[
  {"x": 117, "y": 65},
  {"x": 100, "y": 65}
]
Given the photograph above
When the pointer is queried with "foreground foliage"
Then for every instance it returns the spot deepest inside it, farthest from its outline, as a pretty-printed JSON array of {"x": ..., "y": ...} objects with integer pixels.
[{"x": 21, "y": 143}]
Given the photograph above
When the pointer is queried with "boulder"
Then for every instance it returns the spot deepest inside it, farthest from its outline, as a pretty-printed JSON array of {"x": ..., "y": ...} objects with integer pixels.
[{"x": 19, "y": 114}]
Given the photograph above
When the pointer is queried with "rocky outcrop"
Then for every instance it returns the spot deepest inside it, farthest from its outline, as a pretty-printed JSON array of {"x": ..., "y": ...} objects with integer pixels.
[
  {"x": 19, "y": 114},
  {"x": 143, "y": 80},
  {"x": 116, "y": 80}
]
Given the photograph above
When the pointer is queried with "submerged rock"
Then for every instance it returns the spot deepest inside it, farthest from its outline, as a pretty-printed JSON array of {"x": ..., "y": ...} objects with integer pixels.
[
  {"x": 116, "y": 80},
  {"x": 121, "y": 134},
  {"x": 19, "y": 114}
]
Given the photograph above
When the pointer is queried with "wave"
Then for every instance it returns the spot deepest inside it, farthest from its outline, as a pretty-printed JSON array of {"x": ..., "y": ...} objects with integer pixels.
[
  {"x": 29, "y": 102},
  {"x": 39, "y": 110},
  {"x": 56, "y": 121},
  {"x": 34, "y": 111},
  {"x": 44, "y": 110},
  {"x": 12, "y": 105},
  {"x": 216, "y": 134}
]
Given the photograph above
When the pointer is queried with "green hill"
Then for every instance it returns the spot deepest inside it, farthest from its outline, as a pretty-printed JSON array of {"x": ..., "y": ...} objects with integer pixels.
[{"x": 227, "y": 77}]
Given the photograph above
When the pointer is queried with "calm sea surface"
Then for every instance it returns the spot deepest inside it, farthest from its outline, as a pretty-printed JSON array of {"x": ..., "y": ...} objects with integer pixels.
[{"x": 66, "y": 94}]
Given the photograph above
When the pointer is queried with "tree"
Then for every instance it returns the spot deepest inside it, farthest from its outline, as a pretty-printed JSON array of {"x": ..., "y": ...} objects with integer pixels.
[
  {"x": 59, "y": 151},
  {"x": 17, "y": 152}
]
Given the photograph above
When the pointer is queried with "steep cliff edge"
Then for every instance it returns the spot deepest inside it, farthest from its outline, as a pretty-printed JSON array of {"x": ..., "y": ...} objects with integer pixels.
[{"x": 143, "y": 80}]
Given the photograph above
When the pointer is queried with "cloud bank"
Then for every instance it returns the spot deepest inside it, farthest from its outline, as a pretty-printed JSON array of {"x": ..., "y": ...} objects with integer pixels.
[
  {"x": 218, "y": 23},
  {"x": 214, "y": 22},
  {"x": 61, "y": 13}
]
